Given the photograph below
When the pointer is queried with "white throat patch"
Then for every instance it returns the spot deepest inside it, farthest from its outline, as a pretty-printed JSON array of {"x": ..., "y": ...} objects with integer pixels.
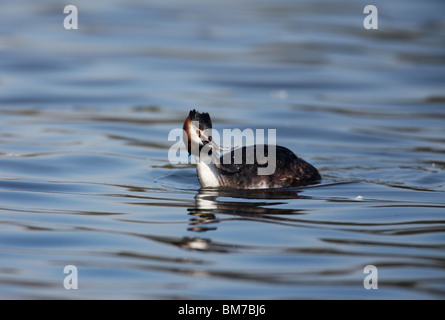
[{"x": 207, "y": 174}]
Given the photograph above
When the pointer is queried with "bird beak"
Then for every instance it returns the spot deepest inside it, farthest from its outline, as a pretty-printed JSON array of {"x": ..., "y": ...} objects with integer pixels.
[{"x": 206, "y": 139}]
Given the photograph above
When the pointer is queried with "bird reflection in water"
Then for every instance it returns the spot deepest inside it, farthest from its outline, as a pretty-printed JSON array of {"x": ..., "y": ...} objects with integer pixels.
[
  {"x": 253, "y": 204},
  {"x": 213, "y": 206}
]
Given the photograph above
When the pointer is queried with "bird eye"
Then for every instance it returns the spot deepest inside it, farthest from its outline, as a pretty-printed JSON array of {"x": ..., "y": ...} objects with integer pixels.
[
  {"x": 210, "y": 138},
  {"x": 198, "y": 132}
]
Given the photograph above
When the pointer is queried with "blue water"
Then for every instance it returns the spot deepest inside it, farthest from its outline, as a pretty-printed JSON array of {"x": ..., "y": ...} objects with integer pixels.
[{"x": 85, "y": 178}]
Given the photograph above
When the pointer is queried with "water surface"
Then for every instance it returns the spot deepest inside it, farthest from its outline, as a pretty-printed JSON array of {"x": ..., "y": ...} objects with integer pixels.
[{"x": 85, "y": 178}]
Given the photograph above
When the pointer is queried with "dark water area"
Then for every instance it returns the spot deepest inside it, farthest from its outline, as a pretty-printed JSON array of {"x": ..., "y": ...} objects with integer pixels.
[{"x": 85, "y": 178}]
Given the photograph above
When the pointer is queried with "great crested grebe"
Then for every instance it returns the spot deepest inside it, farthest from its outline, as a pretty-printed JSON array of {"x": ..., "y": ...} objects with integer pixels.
[{"x": 290, "y": 171}]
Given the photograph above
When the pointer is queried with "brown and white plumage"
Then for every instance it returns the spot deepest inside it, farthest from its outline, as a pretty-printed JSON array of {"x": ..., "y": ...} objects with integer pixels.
[{"x": 290, "y": 170}]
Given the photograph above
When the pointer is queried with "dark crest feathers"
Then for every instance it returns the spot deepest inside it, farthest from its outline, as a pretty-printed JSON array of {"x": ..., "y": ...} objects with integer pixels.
[{"x": 203, "y": 118}]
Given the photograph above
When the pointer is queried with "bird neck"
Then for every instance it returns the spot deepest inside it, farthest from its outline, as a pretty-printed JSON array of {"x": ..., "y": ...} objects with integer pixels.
[{"x": 208, "y": 172}]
